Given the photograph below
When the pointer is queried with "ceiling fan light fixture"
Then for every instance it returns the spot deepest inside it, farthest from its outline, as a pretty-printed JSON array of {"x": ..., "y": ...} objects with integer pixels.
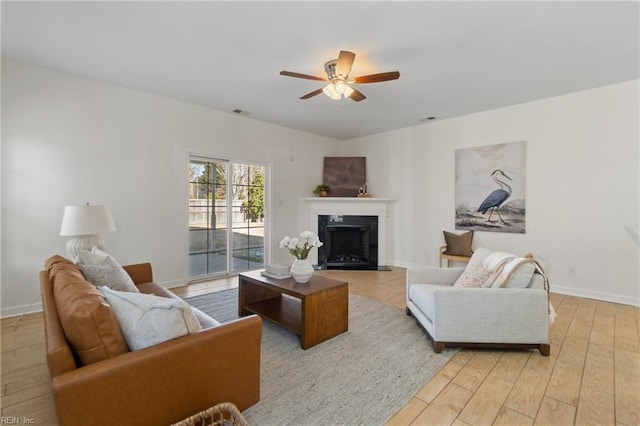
[
  {"x": 338, "y": 71},
  {"x": 337, "y": 90},
  {"x": 347, "y": 91},
  {"x": 330, "y": 91}
]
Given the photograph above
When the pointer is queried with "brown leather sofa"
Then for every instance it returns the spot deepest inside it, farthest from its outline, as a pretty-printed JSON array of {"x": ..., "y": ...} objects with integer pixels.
[{"x": 98, "y": 381}]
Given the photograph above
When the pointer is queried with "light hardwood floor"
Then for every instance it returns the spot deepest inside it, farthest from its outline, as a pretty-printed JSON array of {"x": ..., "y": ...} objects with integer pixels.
[{"x": 591, "y": 377}]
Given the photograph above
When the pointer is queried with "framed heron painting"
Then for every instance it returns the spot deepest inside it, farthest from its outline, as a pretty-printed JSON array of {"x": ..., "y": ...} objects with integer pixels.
[{"x": 490, "y": 188}]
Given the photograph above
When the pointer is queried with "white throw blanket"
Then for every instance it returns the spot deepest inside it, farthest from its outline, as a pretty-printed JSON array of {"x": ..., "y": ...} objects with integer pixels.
[{"x": 502, "y": 266}]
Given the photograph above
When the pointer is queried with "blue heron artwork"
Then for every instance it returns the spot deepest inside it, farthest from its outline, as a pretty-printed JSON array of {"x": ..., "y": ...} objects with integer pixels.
[
  {"x": 490, "y": 184},
  {"x": 493, "y": 202}
]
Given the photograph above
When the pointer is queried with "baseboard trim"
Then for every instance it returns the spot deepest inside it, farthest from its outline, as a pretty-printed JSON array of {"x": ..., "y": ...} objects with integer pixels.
[
  {"x": 174, "y": 283},
  {"x": 36, "y": 305},
  {"x": 401, "y": 264},
  {"x": 597, "y": 295},
  {"x": 18, "y": 311}
]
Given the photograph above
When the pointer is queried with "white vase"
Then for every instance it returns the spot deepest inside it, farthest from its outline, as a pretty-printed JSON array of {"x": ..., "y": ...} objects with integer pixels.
[{"x": 301, "y": 270}]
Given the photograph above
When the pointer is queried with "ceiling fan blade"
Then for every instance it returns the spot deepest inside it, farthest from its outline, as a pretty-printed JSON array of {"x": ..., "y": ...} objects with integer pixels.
[
  {"x": 376, "y": 78},
  {"x": 311, "y": 94},
  {"x": 357, "y": 96},
  {"x": 298, "y": 75},
  {"x": 345, "y": 61}
]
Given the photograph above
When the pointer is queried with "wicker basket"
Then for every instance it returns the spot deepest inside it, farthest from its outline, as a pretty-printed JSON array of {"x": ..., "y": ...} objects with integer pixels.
[{"x": 224, "y": 414}]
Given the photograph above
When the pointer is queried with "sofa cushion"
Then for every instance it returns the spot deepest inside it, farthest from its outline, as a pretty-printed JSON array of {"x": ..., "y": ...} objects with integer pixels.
[
  {"x": 508, "y": 270},
  {"x": 537, "y": 281},
  {"x": 521, "y": 277},
  {"x": 88, "y": 322},
  {"x": 479, "y": 255},
  {"x": 458, "y": 245},
  {"x": 101, "y": 269},
  {"x": 156, "y": 289},
  {"x": 205, "y": 320},
  {"x": 147, "y": 320}
]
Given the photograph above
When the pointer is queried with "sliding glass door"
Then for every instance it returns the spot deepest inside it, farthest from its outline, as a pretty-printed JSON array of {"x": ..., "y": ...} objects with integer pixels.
[{"x": 226, "y": 217}]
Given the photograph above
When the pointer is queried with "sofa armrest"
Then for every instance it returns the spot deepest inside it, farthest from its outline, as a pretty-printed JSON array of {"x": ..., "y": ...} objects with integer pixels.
[
  {"x": 59, "y": 356},
  {"x": 139, "y": 272},
  {"x": 433, "y": 275},
  {"x": 168, "y": 382},
  {"x": 493, "y": 315}
]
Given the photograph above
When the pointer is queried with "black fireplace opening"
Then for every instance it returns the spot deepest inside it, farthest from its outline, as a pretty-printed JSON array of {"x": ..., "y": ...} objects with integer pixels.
[{"x": 349, "y": 242}]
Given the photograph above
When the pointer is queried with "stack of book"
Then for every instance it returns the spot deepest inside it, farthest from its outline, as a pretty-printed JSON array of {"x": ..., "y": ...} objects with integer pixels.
[{"x": 277, "y": 271}]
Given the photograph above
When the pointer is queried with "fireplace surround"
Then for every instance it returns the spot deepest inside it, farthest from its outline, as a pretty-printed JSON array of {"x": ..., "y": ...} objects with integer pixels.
[
  {"x": 312, "y": 208},
  {"x": 350, "y": 242}
]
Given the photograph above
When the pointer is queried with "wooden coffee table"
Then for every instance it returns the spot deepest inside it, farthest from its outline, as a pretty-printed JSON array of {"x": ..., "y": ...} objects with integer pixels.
[{"x": 316, "y": 311}]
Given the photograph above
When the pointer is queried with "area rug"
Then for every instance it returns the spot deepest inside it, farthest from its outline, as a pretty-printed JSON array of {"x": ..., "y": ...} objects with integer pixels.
[{"x": 361, "y": 377}]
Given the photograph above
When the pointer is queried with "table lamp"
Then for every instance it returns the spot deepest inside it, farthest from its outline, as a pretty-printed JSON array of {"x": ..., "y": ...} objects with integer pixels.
[{"x": 83, "y": 224}]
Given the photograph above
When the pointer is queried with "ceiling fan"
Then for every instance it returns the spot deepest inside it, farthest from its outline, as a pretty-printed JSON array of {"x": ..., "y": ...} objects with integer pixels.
[{"x": 338, "y": 77}]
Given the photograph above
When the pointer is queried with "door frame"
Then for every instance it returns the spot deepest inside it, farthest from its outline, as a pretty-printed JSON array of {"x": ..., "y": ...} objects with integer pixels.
[{"x": 267, "y": 166}]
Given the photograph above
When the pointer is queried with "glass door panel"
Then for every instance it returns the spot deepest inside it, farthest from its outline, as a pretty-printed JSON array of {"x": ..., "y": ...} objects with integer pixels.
[
  {"x": 226, "y": 217},
  {"x": 207, "y": 218},
  {"x": 248, "y": 217}
]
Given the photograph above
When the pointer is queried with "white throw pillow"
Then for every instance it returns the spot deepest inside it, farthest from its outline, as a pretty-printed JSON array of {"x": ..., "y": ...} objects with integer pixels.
[
  {"x": 101, "y": 269},
  {"x": 146, "y": 319},
  {"x": 93, "y": 257}
]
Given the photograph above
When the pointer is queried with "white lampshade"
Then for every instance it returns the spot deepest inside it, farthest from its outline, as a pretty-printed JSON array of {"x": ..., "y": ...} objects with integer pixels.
[
  {"x": 86, "y": 220},
  {"x": 83, "y": 223}
]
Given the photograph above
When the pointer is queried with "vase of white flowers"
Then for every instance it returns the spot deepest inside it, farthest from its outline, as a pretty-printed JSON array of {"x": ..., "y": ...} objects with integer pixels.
[{"x": 301, "y": 270}]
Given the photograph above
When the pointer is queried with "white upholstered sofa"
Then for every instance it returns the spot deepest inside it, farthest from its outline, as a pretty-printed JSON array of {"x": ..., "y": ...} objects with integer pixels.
[{"x": 510, "y": 312}]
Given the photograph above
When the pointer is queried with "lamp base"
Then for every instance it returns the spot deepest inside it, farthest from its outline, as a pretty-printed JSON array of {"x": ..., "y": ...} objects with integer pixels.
[{"x": 82, "y": 242}]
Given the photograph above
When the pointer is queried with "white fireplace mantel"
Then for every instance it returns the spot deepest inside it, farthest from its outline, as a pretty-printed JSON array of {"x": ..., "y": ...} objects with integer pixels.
[{"x": 312, "y": 207}]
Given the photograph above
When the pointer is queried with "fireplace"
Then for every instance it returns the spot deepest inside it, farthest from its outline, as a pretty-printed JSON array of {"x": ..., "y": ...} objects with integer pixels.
[
  {"x": 350, "y": 242},
  {"x": 312, "y": 208}
]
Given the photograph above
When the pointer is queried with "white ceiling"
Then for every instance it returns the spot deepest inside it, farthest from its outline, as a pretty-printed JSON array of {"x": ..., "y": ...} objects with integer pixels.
[{"x": 454, "y": 58}]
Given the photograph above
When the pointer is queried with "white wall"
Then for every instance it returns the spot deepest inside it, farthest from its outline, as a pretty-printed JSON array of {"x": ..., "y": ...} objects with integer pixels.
[
  {"x": 70, "y": 140},
  {"x": 583, "y": 186}
]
